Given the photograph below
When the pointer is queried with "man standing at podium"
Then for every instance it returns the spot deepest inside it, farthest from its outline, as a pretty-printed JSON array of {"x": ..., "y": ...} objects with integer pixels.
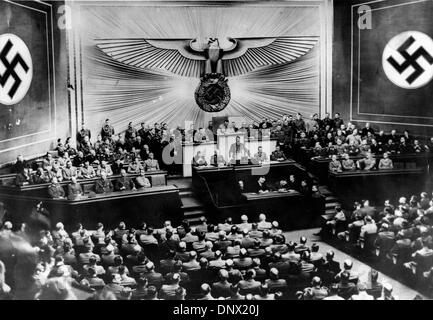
[{"x": 238, "y": 151}]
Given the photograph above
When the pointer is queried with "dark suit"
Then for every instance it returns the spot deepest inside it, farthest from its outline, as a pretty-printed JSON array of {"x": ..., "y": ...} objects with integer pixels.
[
  {"x": 276, "y": 285},
  {"x": 346, "y": 290},
  {"x": 74, "y": 189},
  {"x": 19, "y": 166},
  {"x": 154, "y": 279},
  {"x": 221, "y": 289},
  {"x": 262, "y": 187},
  {"x": 55, "y": 190},
  {"x": 249, "y": 286},
  {"x": 124, "y": 183},
  {"x": 103, "y": 186}
]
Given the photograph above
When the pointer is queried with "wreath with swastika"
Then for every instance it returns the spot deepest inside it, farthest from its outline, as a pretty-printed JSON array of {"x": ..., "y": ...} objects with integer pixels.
[{"x": 213, "y": 93}]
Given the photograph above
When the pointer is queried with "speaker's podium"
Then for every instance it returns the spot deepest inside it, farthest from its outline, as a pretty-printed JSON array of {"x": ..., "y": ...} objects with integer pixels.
[{"x": 226, "y": 140}]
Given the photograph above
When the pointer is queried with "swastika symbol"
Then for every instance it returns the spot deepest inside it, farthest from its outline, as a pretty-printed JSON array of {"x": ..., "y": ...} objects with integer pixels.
[
  {"x": 16, "y": 69},
  {"x": 10, "y": 69},
  {"x": 408, "y": 59}
]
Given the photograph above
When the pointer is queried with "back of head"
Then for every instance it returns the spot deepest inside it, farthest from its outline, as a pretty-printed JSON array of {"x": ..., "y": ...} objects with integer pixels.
[
  {"x": 205, "y": 289},
  {"x": 345, "y": 275},
  {"x": 223, "y": 274},
  {"x": 348, "y": 264},
  {"x": 303, "y": 240},
  {"x": 273, "y": 273},
  {"x": 316, "y": 281},
  {"x": 204, "y": 263},
  {"x": 250, "y": 274},
  {"x": 192, "y": 255}
]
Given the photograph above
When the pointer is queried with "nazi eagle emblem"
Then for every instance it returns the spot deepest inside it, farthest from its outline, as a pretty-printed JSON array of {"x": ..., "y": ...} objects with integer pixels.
[{"x": 213, "y": 60}]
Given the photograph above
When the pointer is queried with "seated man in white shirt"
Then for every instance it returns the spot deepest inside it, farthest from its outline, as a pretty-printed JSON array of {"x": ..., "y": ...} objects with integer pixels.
[
  {"x": 260, "y": 156},
  {"x": 386, "y": 162},
  {"x": 367, "y": 164}
]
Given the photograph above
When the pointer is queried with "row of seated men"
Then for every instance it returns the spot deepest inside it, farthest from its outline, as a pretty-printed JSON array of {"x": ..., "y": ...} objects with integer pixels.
[
  {"x": 64, "y": 170},
  {"x": 367, "y": 163},
  {"x": 401, "y": 234},
  {"x": 217, "y": 159},
  {"x": 354, "y": 146},
  {"x": 101, "y": 185},
  {"x": 243, "y": 261}
]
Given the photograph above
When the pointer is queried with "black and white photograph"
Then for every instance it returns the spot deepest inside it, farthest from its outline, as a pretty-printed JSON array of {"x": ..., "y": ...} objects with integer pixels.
[{"x": 216, "y": 150}]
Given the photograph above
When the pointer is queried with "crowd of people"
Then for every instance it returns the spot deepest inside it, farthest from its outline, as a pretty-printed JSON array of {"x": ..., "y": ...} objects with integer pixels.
[
  {"x": 243, "y": 261},
  {"x": 233, "y": 261},
  {"x": 400, "y": 235},
  {"x": 134, "y": 149}
]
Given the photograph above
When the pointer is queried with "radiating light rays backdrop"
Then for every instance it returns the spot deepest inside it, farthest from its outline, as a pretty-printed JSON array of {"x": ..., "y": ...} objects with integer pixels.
[{"x": 124, "y": 93}]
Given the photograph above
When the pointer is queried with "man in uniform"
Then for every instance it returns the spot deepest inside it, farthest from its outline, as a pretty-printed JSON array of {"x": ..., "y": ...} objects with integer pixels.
[
  {"x": 386, "y": 162},
  {"x": 87, "y": 171},
  {"x": 278, "y": 154},
  {"x": 347, "y": 163},
  {"x": 23, "y": 178},
  {"x": 124, "y": 182},
  {"x": 334, "y": 165},
  {"x": 368, "y": 163},
  {"x": 69, "y": 171},
  {"x": 55, "y": 190},
  {"x": 103, "y": 185},
  {"x": 83, "y": 133},
  {"x": 74, "y": 189},
  {"x": 151, "y": 163},
  {"x": 141, "y": 181},
  {"x": 260, "y": 156},
  {"x": 107, "y": 130}
]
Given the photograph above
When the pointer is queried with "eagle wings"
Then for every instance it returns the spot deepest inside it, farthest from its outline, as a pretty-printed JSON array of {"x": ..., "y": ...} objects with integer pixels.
[{"x": 185, "y": 57}]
